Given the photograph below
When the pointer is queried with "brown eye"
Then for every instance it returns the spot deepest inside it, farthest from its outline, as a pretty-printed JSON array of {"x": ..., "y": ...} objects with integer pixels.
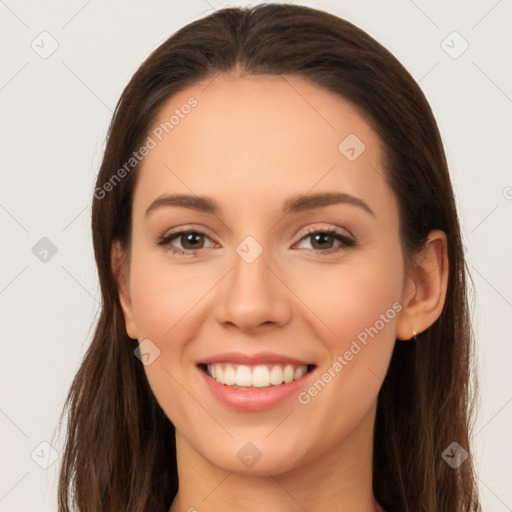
[
  {"x": 190, "y": 241},
  {"x": 322, "y": 241}
]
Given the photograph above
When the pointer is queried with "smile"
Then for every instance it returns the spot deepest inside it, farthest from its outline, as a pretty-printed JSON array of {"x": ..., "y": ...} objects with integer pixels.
[{"x": 254, "y": 382}]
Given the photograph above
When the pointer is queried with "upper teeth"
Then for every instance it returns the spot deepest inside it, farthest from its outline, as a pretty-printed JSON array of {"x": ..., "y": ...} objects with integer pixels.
[{"x": 258, "y": 376}]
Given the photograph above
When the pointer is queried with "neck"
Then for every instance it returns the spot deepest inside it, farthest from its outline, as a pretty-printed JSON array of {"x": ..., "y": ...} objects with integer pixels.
[{"x": 339, "y": 480}]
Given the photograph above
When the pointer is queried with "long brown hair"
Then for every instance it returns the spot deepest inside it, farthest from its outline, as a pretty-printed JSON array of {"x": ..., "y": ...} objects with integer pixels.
[{"x": 120, "y": 446}]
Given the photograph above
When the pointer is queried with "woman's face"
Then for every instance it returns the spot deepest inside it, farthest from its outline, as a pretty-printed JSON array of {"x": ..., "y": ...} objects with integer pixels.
[{"x": 268, "y": 294}]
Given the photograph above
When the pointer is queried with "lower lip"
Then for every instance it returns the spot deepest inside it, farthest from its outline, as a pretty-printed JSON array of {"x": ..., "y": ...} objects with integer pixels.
[{"x": 253, "y": 399}]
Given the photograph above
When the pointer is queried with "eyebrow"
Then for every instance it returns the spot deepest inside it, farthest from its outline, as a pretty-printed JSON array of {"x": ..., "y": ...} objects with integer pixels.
[{"x": 293, "y": 204}]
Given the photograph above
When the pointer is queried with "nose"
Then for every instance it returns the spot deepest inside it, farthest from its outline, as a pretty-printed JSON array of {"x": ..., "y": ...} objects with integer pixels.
[{"x": 254, "y": 293}]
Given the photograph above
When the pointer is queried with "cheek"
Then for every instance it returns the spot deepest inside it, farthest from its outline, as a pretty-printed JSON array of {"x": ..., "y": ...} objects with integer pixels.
[
  {"x": 163, "y": 295},
  {"x": 350, "y": 298}
]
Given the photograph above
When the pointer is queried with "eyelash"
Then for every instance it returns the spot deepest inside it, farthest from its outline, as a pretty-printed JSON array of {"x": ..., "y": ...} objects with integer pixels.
[{"x": 346, "y": 241}]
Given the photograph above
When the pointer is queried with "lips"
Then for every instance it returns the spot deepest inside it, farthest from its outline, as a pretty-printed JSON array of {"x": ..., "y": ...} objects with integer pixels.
[{"x": 254, "y": 382}]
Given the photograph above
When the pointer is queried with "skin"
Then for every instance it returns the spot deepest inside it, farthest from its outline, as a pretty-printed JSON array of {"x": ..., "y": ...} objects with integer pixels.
[{"x": 250, "y": 143}]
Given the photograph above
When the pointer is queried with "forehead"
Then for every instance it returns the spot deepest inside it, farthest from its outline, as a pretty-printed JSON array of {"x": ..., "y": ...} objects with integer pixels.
[{"x": 255, "y": 138}]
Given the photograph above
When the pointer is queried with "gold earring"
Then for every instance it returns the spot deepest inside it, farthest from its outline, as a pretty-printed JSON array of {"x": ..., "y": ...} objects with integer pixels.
[{"x": 414, "y": 333}]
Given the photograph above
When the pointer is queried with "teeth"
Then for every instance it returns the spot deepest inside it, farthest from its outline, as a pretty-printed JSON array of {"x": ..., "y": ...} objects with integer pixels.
[
  {"x": 229, "y": 377},
  {"x": 243, "y": 376},
  {"x": 299, "y": 372},
  {"x": 276, "y": 375},
  {"x": 259, "y": 376},
  {"x": 288, "y": 373}
]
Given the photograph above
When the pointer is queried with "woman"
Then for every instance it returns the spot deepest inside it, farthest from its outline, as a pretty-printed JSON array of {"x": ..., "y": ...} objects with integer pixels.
[{"x": 284, "y": 322}]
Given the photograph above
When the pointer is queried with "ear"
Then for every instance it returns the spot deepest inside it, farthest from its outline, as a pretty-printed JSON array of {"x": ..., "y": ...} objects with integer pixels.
[
  {"x": 122, "y": 276},
  {"x": 425, "y": 289}
]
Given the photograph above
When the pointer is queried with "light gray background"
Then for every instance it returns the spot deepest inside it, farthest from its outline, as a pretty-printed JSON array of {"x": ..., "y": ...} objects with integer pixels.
[{"x": 55, "y": 114}]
